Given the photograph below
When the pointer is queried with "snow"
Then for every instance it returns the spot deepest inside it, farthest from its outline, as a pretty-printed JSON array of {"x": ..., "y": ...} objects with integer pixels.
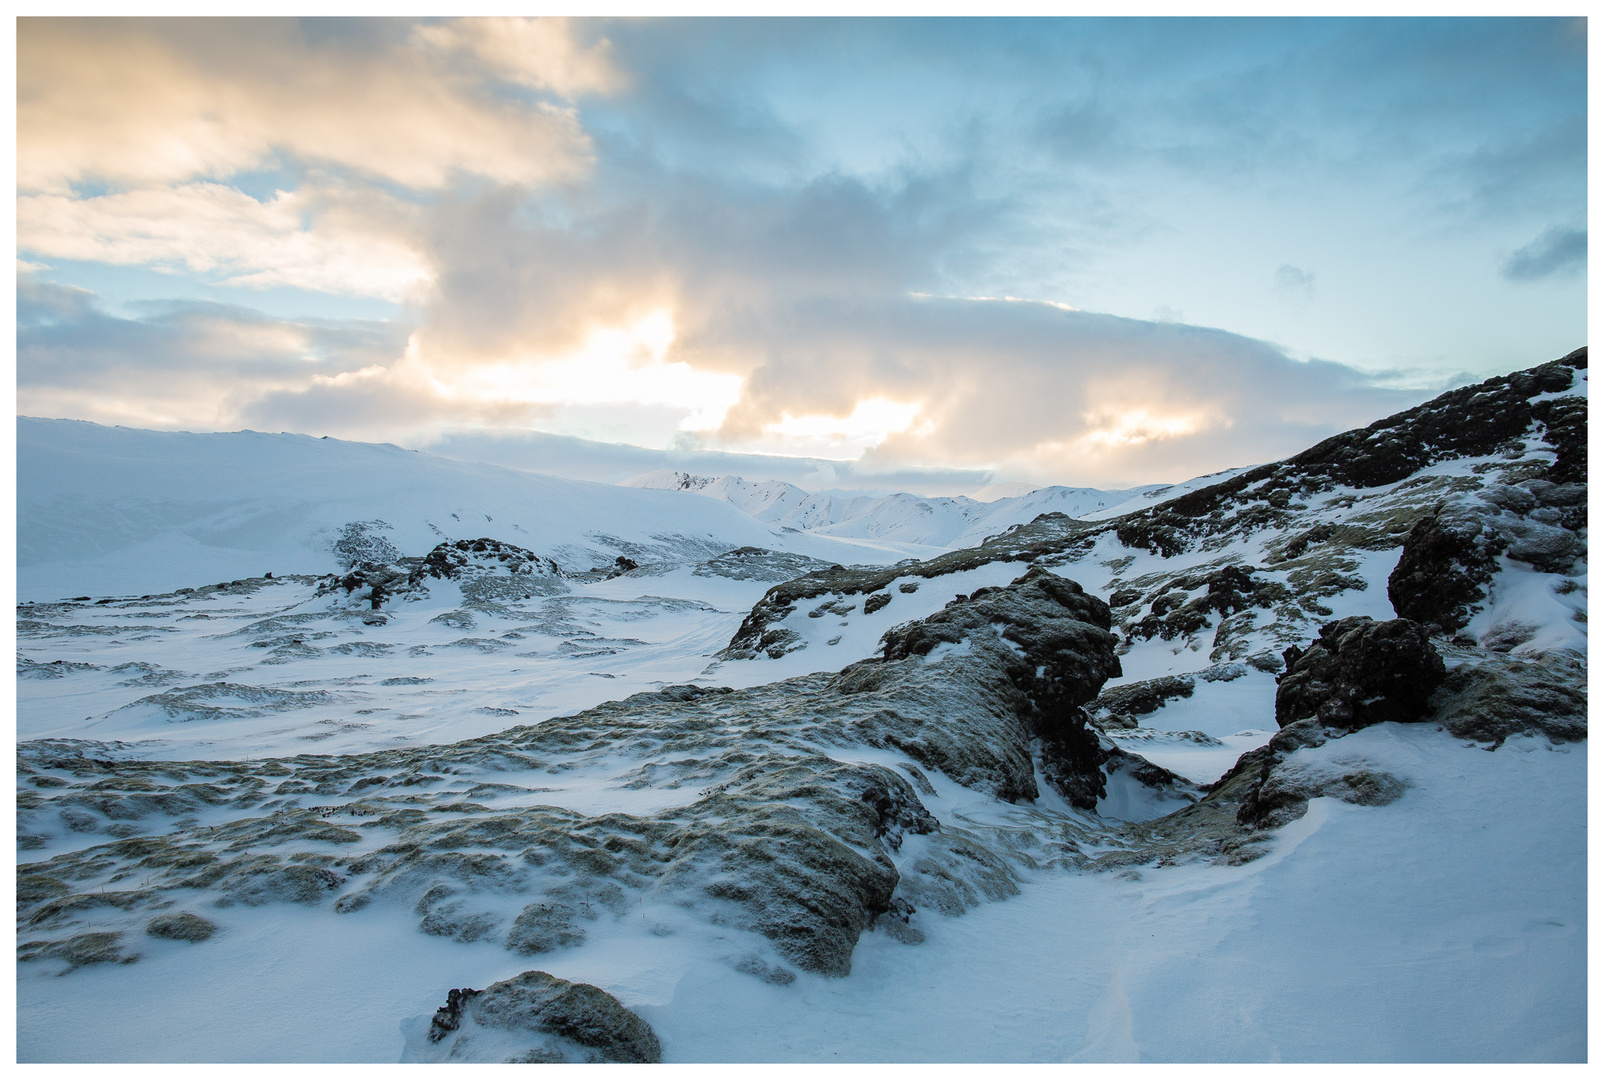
[
  {"x": 1523, "y": 597},
  {"x": 1367, "y": 932},
  {"x": 1365, "y": 935},
  {"x": 934, "y": 522},
  {"x": 118, "y": 510}
]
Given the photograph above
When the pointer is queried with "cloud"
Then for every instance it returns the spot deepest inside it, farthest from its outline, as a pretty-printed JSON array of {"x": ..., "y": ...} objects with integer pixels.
[
  {"x": 180, "y": 365},
  {"x": 1036, "y": 392},
  {"x": 539, "y": 53},
  {"x": 896, "y": 384},
  {"x": 1294, "y": 279},
  {"x": 1559, "y": 252},
  {"x": 326, "y": 240},
  {"x": 803, "y": 300},
  {"x": 144, "y": 102},
  {"x": 710, "y": 225}
]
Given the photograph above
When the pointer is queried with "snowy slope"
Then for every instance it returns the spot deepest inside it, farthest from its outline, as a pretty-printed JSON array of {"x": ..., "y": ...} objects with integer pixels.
[
  {"x": 931, "y": 521},
  {"x": 122, "y": 510}
]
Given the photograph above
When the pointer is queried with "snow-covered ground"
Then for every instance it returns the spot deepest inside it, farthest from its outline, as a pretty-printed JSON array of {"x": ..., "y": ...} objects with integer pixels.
[
  {"x": 1449, "y": 924},
  {"x": 1366, "y": 934}
]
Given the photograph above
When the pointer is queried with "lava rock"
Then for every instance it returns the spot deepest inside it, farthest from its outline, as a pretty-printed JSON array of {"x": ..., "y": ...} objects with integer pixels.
[
  {"x": 1360, "y": 672},
  {"x": 1121, "y": 706},
  {"x": 545, "y": 1006},
  {"x": 1283, "y": 793},
  {"x": 1062, "y": 653},
  {"x": 544, "y": 927},
  {"x": 1443, "y": 571}
]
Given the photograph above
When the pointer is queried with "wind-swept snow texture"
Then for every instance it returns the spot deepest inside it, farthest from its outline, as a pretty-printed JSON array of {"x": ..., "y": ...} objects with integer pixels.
[{"x": 643, "y": 775}]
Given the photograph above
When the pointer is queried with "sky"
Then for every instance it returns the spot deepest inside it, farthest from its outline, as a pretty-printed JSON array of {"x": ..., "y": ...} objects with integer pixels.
[{"x": 929, "y": 254}]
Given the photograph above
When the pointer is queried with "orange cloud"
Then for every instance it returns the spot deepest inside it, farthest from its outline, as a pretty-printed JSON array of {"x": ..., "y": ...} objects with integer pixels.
[{"x": 139, "y": 102}]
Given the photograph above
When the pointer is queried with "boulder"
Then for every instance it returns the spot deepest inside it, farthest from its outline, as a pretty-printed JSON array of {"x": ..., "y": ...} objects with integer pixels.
[
  {"x": 553, "y": 1016},
  {"x": 1286, "y": 786},
  {"x": 1447, "y": 561},
  {"x": 1360, "y": 672}
]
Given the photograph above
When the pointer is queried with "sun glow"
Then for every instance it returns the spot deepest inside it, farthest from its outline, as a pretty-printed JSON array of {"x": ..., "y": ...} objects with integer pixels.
[
  {"x": 871, "y": 422},
  {"x": 614, "y": 365},
  {"x": 1135, "y": 426}
]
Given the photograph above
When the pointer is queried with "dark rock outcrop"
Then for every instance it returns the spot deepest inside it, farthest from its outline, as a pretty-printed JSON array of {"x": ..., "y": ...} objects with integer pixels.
[
  {"x": 1443, "y": 571},
  {"x": 1472, "y": 421},
  {"x": 554, "y": 1014},
  {"x": 1285, "y": 785},
  {"x": 1048, "y": 534},
  {"x": 488, "y": 571},
  {"x": 1063, "y": 652},
  {"x": 1360, "y": 672},
  {"x": 761, "y": 564},
  {"x": 1123, "y": 706}
]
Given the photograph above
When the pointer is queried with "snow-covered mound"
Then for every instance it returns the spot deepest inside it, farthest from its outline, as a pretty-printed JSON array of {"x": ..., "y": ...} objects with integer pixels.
[
  {"x": 119, "y": 510},
  {"x": 1040, "y": 798},
  {"x": 932, "y": 521}
]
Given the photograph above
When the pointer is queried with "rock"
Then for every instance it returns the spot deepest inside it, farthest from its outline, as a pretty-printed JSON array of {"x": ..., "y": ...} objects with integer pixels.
[
  {"x": 542, "y": 928},
  {"x": 360, "y": 542},
  {"x": 1160, "y": 780},
  {"x": 1020, "y": 543},
  {"x": 769, "y": 973},
  {"x": 296, "y": 884},
  {"x": 1287, "y": 786},
  {"x": 896, "y": 814},
  {"x": 1359, "y": 672},
  {"x": 1122, "y": 706},
  {"x": 1504, "y": 696},
  {"x": 181, "y": 927},
  {"x": 760, "y": 564},
  {"x": 1443, "y": 571},
  {"x": 1062, "y": 653},
  {"x": 797, "y": 884},
  {"x": 97, "y": 947},
  {"x": 551, "y": 1015},
  {"x": 954, "y": 874}
]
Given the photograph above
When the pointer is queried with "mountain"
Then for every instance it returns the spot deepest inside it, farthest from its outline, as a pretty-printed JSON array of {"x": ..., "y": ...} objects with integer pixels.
[
  {"x": 1108, "y": 786},
  {"x": 124, "y": 510},
  {"x": 930, "y": 521}
]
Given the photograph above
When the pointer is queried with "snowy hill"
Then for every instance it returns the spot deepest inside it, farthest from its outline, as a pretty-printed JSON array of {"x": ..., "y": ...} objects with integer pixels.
[
  {"x": 1105, "y": 786},
  {"x": 122, "y": 510},
  {"x": 931, "y": 521}
]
